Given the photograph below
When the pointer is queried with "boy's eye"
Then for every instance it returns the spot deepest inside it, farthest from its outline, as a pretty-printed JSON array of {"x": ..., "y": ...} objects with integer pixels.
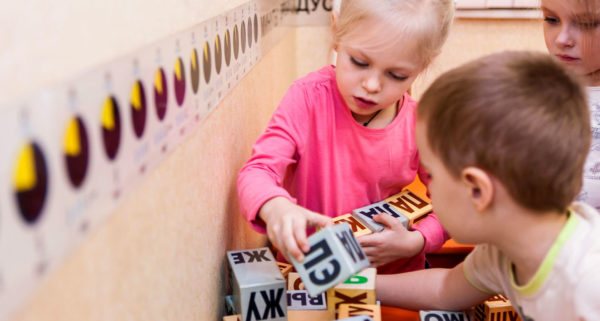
[
  {"x": 551, "y": 20},
  {"x": 358, "y": 62},
  {"x": 397, "y": 77}
]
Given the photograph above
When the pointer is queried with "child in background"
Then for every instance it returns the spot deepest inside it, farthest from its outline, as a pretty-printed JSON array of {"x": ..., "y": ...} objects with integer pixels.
[
  {"x": 504, "y": 139},
  {"x": 572, "y": 35},
  {"x": 343, "y": 137}
]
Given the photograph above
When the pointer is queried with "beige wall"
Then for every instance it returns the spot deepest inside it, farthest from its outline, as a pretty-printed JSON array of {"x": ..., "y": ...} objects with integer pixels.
[
  {"x": 472, "y": 38},
  {"x": 161, "y": 254}
]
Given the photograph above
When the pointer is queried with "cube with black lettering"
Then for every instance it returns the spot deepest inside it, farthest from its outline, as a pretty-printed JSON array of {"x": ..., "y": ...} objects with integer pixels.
[
  {"x": 294, "y": 282},
  {"x": 365, "y": 215},
  {"x": 285, "y": 268},
  {"x": 372, "y": 311},
  {"x": 443, "y": 316},
  {"x": 357, "y": 318},
  {"x": 497, "y": 307},
  {"x": 334, "y": 256},
  {"x": 357, "y": 227},
  {"x": 258, "y": 286},
  {"x": 410, "y": 205},
  {"x": 357, "y": 289},
  {"x": 301, "y": 300}
]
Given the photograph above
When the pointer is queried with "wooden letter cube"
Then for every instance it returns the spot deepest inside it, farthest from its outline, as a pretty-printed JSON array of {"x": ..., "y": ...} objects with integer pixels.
[
  {"x": 358, "y": 318},
  {"x": 358, "y": 289},
  {"x": 365, "y": 215},
  {"x": 258, "y": 286},
  {"x": 334, "y": 256},
  {"x": 495, "y": 308},
  {"x": 443, "y": 316},
  {"x": 358, "y": 228},
  {"x": 285, "y": 268},
  {"x": 352, "y": 310},
  {"x": 410, "y": 205},
  {"x": 301, "y": 300},
  {"x": 295, "y": 282}
]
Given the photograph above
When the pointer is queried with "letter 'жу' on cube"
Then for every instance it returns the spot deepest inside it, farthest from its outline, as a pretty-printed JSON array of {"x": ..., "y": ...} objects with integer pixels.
[{"x": 258, "y": 286}]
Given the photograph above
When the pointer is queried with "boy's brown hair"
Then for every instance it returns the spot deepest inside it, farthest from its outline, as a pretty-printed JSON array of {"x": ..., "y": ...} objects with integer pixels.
[{"x": 517, "y": 115}]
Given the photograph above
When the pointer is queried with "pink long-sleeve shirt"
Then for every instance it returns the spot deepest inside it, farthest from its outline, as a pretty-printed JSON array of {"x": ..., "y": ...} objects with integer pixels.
[{"x": 315, "y": 154}]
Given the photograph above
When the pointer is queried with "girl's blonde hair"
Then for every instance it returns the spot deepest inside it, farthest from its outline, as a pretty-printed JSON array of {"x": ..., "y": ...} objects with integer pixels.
[{"x": 427, "y": 20}]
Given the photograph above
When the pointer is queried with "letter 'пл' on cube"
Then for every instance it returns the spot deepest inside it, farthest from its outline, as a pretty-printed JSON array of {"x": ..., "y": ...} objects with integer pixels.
[
  {"x": 334, "y": 256},
  {"x": 258, "y": 287}
]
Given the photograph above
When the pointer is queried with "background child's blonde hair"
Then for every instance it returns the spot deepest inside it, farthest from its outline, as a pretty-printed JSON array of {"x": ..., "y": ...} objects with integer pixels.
[
  {"x": 520, "y": 117},
  {"x": 427, "y": 21}
]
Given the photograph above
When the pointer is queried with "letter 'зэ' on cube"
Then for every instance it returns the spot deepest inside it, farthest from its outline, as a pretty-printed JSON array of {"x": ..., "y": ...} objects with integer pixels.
[
  {"x": 352, "y": 310},
  {"x": 284, "y": 268},
  {"x": 295, "y": 282},
  {"x": 357, "y": 318},
  {"x": 444, "y": 315},
  {"x": 410, "y": 205},
  {"x": 365, "y": 215},
  {"x": 497, "y": 307},
  {"x": 334, "y": 256},
  {"x": 357, "y": 289},
  {"x": 357, "y": 227},
  {"x": 258, "y": 286},
  {"x": 301, "y": 300}
]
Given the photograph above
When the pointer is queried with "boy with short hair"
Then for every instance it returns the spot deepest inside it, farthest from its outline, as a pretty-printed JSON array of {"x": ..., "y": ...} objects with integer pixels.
[{"x": 504, "y": 139}]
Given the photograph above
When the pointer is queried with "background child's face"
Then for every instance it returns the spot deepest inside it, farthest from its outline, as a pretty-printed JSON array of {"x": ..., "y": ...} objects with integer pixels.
[
  {"x": 572, "y": 35},
  {"x": 372, "y": 72},
  {"x": 449, "y": 196}
]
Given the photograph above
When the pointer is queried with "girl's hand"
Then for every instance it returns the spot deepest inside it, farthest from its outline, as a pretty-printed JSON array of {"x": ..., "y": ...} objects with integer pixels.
[
  {"x": 394, "y": 242},
  {"x": 286, "y": 225}
]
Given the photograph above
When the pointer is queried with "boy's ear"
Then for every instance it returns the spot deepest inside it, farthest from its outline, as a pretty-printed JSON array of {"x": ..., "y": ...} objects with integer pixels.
[{"x": 480, "y": 185}]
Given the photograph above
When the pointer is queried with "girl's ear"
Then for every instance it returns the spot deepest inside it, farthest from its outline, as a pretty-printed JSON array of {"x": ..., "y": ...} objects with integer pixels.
[{"x": 480, "y": 187}]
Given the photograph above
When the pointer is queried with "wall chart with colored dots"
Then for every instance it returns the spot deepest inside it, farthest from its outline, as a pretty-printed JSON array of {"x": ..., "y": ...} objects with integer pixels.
[{"x": 76, "y": 149}]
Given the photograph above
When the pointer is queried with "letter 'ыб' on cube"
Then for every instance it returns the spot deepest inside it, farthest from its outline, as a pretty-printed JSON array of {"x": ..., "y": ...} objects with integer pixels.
[
  {"x": 334, "y": 256},
  {"x": 357, "y": 289},
  {"x": 365, "y": 215},
  {"x": 258, "y": 286},
  {"x": 301, "y": 300}
]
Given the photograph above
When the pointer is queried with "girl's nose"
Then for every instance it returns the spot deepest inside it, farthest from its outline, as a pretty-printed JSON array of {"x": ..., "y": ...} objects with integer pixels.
[
  {"x": 372, "y": 84},
  {"x": 565, "y": 38}
]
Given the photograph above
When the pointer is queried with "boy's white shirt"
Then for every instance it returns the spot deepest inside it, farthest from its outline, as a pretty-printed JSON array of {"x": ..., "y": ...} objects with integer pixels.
[
  {"x": 590, "y": 192},
  {"x": 566, "y": 285}
]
